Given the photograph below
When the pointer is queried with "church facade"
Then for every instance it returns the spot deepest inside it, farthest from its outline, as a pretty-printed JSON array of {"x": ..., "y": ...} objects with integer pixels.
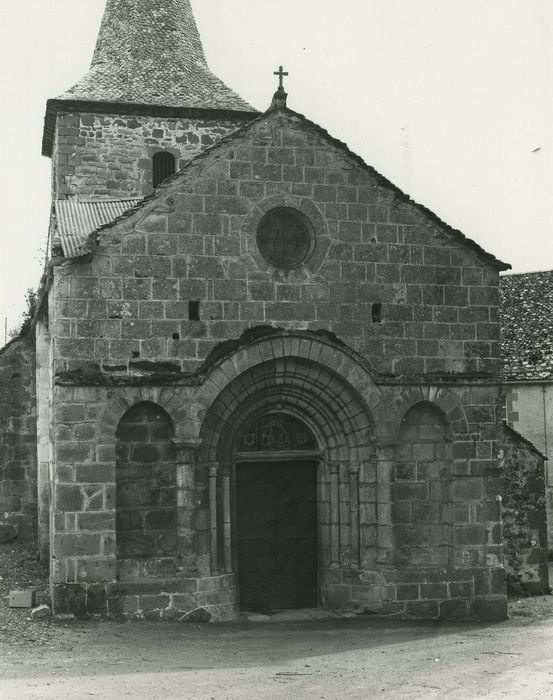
[{"x": 266, "y": 378}]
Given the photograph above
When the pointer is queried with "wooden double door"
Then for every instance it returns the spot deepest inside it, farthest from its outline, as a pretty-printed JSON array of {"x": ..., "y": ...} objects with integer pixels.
[{"x": 276, "y": 507}]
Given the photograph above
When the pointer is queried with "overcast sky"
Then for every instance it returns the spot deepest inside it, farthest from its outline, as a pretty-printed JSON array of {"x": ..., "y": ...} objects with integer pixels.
[{"x": 452, "y": 100}]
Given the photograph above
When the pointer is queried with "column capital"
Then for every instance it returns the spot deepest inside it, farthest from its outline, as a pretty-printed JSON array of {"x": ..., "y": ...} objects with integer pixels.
[
  {"x": 334, "y": 467},
  {"x": 354, "y": 468},
  {"x": 213, "y": 468},
  {"x": 386, "y": 450},
  {"x": 187, "y": 449}
]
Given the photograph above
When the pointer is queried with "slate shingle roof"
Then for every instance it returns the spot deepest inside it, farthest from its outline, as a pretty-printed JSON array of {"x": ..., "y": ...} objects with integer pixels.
[
  {"x": 149, "y": 52},
  {"x": 526, "y": 320}
]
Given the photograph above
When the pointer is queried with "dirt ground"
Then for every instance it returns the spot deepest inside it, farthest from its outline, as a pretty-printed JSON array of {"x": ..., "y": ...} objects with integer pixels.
[{"x": 323, "y": 659}]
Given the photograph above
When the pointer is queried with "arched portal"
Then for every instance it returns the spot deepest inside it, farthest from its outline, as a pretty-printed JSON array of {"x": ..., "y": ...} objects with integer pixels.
[{"x": 292, "y": 442}]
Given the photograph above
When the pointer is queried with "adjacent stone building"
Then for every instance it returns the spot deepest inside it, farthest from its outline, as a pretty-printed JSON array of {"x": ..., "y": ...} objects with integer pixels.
[
  {"x": 18, "y": 468},
  {"x": 526, "y": 314},
  {"x": 271, "y": 382},
  {"x": 524, "y": 515}
]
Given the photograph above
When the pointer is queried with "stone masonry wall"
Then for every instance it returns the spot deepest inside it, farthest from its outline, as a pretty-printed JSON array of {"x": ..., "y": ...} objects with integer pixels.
[
  {"x": 386, "y": 279},
  {"x": 110, "y": 155},
  {"x": 18, "y": 457},
  {"x": 438, "y": 298},
  {"x": 524, "y": 515},
  {"x": 145, "y": 494},
  {"x": 467, "y": 581},
  {"x": 422, "y": 473}
]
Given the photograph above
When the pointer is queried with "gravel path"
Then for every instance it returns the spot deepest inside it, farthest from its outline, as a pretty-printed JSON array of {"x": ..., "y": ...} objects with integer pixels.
[{"x": 21, "y": 570}]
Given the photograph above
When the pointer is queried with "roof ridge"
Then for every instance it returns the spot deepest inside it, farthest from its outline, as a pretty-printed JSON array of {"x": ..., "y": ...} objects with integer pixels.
[{"x": 526, "y": 274}]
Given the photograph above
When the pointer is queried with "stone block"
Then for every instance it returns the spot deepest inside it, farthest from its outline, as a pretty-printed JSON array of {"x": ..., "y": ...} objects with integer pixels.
[
  {"x": 433, "y": 590},
  {"x": 73, "y": 453},
  {"x": 470, "y": 534},
  {"x": 70, "y": 413},
  {"x": 8, "y": 533},
  {"x": 160, "y": 519},
  {"x": 402, "y": 512},
  {"x": 205, "y": 267},
  {"x": 233, "y": 290},
  {"x": 467, "y": 489},
  {"x": 92, "y": 570},
  {"x": 489, "y": 609},
  {"x": 10, "y": 504},
  {"x": 461, "y": 589},
  {"x": 454, "y": 610},
  {"x": 75, "y": 545},
  {"x": 407, "y": 592},
  {"x": 103, "y": 520},
  {"x": 135, "y": 544},
  {"x": 241, "y": 171},
  {"x": 68, "y": 498},
  {"x": 69, "y": 599},
  {"x": 41, "y": 612},
  {"x": 410, "y": 491},
  {"x": 96, "y": 600},
  {"x": 498, "y": 581},
  {"x": 148, "y": 603},
  {"x": 426, "y": 609}
]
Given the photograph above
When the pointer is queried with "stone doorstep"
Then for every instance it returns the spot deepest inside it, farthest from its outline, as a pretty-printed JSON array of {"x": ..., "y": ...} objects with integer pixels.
[{"x": 296, "y": 615}]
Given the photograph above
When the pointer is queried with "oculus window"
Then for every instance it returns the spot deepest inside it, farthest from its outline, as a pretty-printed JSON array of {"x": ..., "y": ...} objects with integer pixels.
[{"x": 285, "y": 237}]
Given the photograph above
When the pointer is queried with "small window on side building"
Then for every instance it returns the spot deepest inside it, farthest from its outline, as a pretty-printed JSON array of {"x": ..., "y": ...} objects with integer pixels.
[
  {"x": 163, "y": 164},
  {"x": 376, "y": 312}
]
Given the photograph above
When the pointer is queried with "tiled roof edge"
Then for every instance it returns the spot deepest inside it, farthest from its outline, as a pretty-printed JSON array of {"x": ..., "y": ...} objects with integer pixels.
[{"x": 526, "y": 274}]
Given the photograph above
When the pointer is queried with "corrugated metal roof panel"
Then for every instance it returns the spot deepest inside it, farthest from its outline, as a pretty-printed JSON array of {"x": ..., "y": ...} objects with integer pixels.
[{"x": 77, "y": 219}]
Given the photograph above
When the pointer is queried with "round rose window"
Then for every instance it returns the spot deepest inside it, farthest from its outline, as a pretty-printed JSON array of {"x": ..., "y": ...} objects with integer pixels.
[{"x": 284, "y": 237}]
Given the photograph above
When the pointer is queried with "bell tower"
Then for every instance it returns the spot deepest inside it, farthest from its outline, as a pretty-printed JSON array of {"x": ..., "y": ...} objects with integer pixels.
[{"x": 149, "y": 91}]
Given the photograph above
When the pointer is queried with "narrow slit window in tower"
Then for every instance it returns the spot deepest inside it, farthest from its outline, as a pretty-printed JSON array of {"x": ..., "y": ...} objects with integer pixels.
[
  {"x": 163, "y": 166},
  {"x": 376, "y": 313}
]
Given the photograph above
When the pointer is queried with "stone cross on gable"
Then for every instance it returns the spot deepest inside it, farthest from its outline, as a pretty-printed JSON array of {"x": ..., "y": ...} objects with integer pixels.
[{"x": 281, "y": 74}]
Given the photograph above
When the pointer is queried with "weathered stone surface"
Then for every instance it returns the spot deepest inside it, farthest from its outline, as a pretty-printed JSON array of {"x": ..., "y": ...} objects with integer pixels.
[
  {"x": 8, "y": 533},
  {"x": 384, "y": 338},
  {"x": 41, "y": 612},
  {"x": 524, "y": 516},
  {"x": 115, "y": 153}
]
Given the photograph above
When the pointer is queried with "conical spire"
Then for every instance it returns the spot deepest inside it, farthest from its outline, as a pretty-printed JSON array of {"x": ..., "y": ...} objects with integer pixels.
[{"x": 149, "y": 52}]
